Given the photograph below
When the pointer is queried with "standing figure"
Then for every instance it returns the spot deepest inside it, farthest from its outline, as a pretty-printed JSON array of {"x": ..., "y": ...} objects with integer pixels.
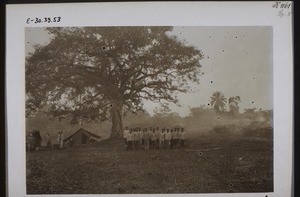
[
  {"x": 146, "y": 139},
  {"x": 60, "y": 139},
  {"x": 129, "y": 140},
  {"x": 150, "y": 133},
  {"x": 133, "y": 139},
  {"x": 141, "y": 138},
  {"x": 157, "y": 134},
  {"x": 175, "y": 138},
  {"x": 172, "y": 139},
  {"x": 137, "y": 138},
  {"x": 125, "y": 135},
  {"x": 152, "y": 139},
  {"x": 168, "y": 139},
  {"x": 162, "y": 139},
  {"x": 48, "y": 140},
  {"x": 182, "y": 137}
]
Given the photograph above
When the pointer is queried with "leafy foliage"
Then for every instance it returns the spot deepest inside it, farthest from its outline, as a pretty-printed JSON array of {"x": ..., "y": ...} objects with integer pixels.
[
  {"x": 233, "y": 104},
  {"x": 218, "y": 101},
  {"x": 92, "y": 72}
]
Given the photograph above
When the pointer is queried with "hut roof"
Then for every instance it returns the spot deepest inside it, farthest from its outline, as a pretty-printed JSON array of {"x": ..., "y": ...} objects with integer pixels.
[{"x": 83, "y": 130}]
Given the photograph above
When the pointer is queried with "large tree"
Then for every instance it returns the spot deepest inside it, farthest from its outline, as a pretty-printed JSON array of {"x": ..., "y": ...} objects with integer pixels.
[{"x": 95, "y": 73}]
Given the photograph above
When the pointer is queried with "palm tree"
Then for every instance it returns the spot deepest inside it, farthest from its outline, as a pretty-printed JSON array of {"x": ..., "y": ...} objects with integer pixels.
[
  {"x": 233, "y": 104},
  {"x": 218, "y": 101}
]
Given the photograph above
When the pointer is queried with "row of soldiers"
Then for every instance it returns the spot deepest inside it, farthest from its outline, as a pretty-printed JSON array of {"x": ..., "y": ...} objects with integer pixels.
[{"x": 154, "y": 138}]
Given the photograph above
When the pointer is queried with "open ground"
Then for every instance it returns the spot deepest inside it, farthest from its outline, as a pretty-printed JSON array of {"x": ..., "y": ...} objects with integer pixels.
[{"x": 206, "y": 164}]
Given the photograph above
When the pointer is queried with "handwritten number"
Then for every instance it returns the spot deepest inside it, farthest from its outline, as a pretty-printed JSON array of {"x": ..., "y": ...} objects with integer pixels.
[
  {"x": 282, "y": 9},
  {"x": 38, "y": 20},
  {"x": 276, "y": 5},
  {"x": 56, "y": 19},
  {"x": 280, "y": 13},
  {"x": 43, "y": 20}
]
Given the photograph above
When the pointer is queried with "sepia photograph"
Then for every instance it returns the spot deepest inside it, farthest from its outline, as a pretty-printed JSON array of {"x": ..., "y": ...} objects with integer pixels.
[{"x": 149, "y": 109}]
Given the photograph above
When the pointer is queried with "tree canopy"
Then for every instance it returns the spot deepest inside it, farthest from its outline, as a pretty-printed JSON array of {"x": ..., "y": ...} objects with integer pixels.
[
  {"x": 234, "y": 104},
  {"x": 218, "y": 101},
  {"x": 94, "y": 73}
]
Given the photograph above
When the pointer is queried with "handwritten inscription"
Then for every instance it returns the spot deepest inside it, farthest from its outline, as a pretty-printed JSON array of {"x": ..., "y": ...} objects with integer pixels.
[
  {"x": 285, "y": 5},
  {"x": 284, "y": 8},
  {"x": 38, "y": 20}
]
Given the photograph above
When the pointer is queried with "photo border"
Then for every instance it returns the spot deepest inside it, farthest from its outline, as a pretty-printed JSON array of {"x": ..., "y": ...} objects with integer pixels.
[{"x": 162, "y": 13}]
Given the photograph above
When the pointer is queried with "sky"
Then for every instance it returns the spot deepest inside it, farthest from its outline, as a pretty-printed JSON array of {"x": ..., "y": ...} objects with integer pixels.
[{"x": 237, "y": 61}]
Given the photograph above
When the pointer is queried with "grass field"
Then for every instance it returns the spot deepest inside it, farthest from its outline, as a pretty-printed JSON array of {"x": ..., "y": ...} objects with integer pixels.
[{"x": 205, "y": 165}]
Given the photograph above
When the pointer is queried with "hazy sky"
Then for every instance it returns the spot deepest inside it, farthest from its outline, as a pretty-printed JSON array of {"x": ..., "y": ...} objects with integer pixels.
[{"x": 238, "y": 62}]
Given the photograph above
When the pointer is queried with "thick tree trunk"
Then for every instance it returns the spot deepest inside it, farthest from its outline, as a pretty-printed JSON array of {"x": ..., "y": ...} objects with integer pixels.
[{"x": 117, "y": 121}]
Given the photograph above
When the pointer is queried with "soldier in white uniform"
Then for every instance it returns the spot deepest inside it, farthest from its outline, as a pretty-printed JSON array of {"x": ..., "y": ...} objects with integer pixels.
[
  {"x": 146, "y": 138},
  {"x": 129, "y": 140},
  {"x": 152, "y": 138},
  {"x": 175, "y": 138},
  {"x": 168, "y": 138},
  {"x": 162, "y": 139},
  {"x": 141, "y": 138},
  {"x": 172, "y": 138},
  {"x": 182, "y": 137},
  {"x": 157, "y": 134},
  {"x": 136, "y": 138}
]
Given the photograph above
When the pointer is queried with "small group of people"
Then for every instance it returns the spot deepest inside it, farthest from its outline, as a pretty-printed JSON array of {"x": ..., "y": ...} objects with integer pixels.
[
  {"x": 60, "y": 140},
  {"x": 34, "y": 141},
  {"x": 154, "y": 138}
]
